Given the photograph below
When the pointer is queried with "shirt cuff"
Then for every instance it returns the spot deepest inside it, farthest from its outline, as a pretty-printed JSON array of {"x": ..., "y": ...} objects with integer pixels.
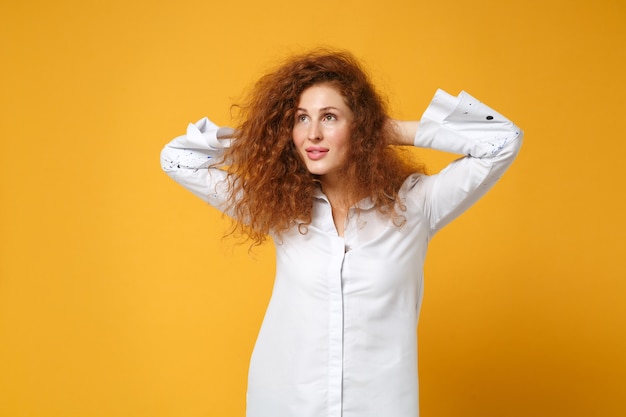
[
  {"x": 206, "y": 132},
  {"x": 463, "y": 125}
]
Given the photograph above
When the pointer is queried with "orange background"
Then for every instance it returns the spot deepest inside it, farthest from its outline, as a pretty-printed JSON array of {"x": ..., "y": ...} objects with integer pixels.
[{"x": 118, "y": 295}]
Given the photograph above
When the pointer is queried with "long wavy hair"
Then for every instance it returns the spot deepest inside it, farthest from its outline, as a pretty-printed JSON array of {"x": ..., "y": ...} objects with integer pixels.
[{"x": 271, "y": 190}]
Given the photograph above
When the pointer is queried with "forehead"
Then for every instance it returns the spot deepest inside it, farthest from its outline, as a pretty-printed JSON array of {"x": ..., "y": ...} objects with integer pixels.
[{"x": 322, "y": 95}]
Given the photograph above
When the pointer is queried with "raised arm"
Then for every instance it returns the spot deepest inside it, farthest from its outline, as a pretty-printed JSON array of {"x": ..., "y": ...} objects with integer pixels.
[
  {"x": 407, "y": 130},
  {"x": 193, "y": 160},
  {"x": 463, "y": 125}
]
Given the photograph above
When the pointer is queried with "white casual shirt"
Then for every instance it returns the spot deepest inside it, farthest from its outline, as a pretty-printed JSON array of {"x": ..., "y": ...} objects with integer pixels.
[{"x": 339, "y": 335}]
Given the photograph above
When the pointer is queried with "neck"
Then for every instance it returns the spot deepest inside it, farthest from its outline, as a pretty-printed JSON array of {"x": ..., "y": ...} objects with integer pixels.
[
  {"x": 339, "y": 201},
  {"x": 335, "y": 191}
]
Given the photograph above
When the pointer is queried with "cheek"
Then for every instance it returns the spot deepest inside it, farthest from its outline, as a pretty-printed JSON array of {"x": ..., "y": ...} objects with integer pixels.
[
  {"x": 344, "y": 139},
  {"x": 296, "y": 136}
]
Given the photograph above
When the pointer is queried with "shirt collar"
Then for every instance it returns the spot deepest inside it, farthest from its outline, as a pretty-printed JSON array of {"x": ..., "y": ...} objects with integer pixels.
[{"x": 364, "y": 204}]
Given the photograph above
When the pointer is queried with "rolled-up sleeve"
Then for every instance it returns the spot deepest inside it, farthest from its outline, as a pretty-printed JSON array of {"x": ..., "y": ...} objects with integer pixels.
[
  {"x": 193, "y": 160},
  {"x": 488, "y": 141}
]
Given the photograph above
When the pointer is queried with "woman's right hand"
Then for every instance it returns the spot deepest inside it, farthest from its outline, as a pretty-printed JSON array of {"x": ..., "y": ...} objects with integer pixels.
[{"x": 225, "y": 133}]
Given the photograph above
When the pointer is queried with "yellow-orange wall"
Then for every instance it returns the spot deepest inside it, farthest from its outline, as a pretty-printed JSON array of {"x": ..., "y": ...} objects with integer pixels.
[{"x": 118, "y": 295}]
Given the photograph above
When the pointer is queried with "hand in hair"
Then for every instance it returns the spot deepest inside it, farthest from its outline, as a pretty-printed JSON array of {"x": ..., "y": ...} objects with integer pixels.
[{"x": 406, "y": 129}]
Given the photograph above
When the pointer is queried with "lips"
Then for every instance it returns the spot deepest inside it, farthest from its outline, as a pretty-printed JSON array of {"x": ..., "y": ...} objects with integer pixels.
[{"x": 315, "y": 152}]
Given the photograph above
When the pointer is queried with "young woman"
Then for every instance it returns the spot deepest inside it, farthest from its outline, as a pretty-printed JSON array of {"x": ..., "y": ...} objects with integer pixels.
[{"x": 311, "y": 166}]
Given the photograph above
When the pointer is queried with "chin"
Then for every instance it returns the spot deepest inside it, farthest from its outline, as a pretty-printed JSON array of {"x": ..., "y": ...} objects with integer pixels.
[{"x": 316, "y": 170}]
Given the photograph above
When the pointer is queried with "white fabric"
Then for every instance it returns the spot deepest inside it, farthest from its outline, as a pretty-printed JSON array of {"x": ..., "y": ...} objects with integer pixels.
[{"x": 339, "y": 334}]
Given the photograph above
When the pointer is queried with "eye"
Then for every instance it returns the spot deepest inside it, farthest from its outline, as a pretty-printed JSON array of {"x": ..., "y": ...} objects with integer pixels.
[
  {"x": 330, "y": 117},
  {"x": 301, "y": 118}
]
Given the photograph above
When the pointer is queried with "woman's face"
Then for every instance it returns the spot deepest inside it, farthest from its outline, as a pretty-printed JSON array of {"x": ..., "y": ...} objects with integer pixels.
[{"x": 321, "y": 131}]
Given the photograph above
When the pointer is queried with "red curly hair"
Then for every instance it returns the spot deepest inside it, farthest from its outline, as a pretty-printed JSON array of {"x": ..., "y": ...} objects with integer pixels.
[{"x": 270, "y": 188}]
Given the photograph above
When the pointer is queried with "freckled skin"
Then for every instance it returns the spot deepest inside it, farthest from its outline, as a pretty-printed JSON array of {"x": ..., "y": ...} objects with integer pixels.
[{"x": 321, "y": 130}]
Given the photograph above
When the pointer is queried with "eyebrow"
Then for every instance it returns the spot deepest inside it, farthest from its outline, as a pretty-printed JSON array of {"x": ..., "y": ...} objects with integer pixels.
[{"x": 323, "y": 109}]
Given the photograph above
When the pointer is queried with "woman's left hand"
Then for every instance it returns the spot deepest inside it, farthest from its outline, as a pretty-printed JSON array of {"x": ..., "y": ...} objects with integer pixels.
[{"x": 406, "y": 130}]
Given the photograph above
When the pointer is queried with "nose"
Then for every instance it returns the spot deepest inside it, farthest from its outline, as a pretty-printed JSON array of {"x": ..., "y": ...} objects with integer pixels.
[{"x": 314, "y": 133}]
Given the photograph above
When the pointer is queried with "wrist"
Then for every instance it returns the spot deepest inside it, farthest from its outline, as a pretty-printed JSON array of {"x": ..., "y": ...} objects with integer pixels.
[{"x": 406, "y": 130}]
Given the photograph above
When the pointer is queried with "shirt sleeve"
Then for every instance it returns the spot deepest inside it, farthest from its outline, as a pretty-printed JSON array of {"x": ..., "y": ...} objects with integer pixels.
[
  {"x": 463, "y": 125},
  {"x": 194, "y": 160}
]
